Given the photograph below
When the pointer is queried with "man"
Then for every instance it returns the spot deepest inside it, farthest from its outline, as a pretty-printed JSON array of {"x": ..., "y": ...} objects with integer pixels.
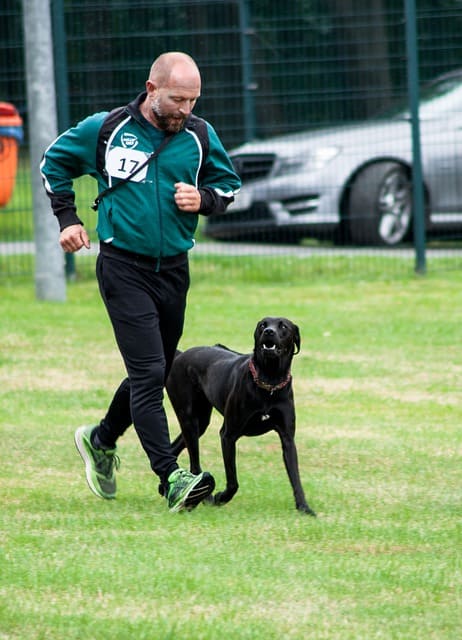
[{"x": 147, "y": 215}]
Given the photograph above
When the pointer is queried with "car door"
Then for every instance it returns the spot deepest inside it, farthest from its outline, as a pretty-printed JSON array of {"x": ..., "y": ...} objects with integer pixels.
[{"x": 441, "y": 145}]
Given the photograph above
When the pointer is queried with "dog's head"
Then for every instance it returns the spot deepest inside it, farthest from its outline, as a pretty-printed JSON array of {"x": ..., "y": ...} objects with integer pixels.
[{"x": 276, "y": 338}]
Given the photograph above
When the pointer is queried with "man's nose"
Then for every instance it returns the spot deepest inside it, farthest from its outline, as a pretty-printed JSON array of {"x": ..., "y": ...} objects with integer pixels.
[{"x": 186, "y": 108}]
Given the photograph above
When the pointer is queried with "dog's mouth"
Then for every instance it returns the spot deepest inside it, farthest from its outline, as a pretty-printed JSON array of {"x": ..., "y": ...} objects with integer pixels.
[{"x": 269, "y": 347}]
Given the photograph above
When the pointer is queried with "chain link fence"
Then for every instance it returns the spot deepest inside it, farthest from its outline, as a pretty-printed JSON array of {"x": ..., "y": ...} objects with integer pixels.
[{"x": 269, "y": 69}]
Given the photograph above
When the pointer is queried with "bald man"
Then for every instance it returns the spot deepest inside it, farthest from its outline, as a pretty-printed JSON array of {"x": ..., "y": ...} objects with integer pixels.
[{"x": 157, "y": 167}]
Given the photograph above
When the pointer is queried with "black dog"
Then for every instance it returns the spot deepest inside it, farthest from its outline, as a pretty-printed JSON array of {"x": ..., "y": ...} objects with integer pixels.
[{"x": 252, "y": 392}]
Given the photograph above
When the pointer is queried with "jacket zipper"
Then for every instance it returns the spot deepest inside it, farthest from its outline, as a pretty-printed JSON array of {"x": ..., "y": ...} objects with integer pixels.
[{"x": 161, "y": 231}]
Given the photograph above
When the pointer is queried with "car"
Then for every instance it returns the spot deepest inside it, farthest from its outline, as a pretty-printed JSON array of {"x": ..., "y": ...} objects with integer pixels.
[{"x": 352, "y": 183}]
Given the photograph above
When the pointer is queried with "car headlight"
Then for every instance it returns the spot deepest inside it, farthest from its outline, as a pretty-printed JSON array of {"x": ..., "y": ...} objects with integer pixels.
[{"x": 312, "y": 161}]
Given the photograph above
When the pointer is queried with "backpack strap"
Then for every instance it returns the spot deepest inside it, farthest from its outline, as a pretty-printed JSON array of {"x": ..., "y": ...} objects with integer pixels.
[
  {"x": 110, "y": 122},
  {"x": 199, "y": 126}
]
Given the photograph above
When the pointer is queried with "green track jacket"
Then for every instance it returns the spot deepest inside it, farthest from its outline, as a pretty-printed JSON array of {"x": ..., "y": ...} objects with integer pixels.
[{"x": 141, "y": 215}]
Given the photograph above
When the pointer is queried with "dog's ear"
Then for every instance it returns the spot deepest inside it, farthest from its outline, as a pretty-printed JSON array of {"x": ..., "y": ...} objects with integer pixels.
[{"x": 297, "y": 340}]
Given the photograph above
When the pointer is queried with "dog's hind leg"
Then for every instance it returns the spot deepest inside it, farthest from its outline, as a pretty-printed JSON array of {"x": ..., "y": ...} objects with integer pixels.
[
  {"x": 194, "y": 418},
  {"x": 178, "y": 445}
]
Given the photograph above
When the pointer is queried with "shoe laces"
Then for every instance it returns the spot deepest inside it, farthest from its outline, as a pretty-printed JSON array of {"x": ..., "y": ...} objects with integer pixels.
[
  {"x": 181, "y": 479},
  {"x": 106, "y": 461}
]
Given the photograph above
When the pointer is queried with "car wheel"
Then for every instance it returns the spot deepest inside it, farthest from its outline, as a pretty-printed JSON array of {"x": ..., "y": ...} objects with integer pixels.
[{"x": 380, "y": 206}]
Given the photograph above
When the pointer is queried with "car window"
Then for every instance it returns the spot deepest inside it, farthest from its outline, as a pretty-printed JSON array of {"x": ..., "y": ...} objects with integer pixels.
[{"x": 437, "y": 100}]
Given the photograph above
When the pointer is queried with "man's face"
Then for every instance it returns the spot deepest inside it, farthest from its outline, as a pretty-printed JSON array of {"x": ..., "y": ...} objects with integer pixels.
[{"x": 171, "y": 106}]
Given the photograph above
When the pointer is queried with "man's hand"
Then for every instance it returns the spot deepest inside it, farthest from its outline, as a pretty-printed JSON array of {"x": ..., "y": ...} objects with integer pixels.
[
  {"x": 74, "y": 238},
  {"x": 187, "y": 197}
]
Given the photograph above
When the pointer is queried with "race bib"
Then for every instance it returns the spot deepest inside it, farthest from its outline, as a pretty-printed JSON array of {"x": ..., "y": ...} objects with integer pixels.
[{"x": 121, "y": 163}]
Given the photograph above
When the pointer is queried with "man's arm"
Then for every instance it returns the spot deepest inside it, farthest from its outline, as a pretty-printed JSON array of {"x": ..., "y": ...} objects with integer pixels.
[
  {"x": 71, "y": 155},
  {"x": 219, "y": 181}
]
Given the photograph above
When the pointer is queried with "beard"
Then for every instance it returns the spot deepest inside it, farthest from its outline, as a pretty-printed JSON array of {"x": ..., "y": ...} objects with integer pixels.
[{"x": 167, "y": 121}]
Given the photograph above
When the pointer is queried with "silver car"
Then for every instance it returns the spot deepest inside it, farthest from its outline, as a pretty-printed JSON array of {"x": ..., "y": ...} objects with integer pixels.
[{"x": 351, "y": 183}]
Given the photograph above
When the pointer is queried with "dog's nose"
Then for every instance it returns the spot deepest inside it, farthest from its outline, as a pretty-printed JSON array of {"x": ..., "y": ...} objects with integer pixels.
[{"x": 268, "y": 331}]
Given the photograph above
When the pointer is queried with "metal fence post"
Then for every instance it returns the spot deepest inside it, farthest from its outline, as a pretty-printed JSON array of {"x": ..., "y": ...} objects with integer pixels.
[
  {"x": 49, "y": 263},
  {"x": 417, "y": 179},
  {"x": 62, "y": 93},
  {"x": 248, "y": 85}
]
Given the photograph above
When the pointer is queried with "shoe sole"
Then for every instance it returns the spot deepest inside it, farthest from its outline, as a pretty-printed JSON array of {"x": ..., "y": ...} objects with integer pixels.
[
  {"x": 198, "y": 492},
  {"x": 80, "y": 445}
]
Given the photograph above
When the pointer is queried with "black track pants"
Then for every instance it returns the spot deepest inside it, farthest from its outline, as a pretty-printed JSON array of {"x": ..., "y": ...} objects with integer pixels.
[{"x": 146, "y": 307}]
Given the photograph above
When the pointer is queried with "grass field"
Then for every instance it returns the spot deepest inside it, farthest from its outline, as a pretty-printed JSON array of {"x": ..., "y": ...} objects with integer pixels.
[{"x": 379, "y": 412}]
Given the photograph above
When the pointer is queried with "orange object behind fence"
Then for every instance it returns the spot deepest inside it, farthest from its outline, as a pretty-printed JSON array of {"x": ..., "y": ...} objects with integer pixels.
[{"x": 10, "y": 136}]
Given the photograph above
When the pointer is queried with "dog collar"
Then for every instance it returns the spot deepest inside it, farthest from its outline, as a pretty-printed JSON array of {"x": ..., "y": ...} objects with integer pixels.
[{"x": 263, "y": 385}]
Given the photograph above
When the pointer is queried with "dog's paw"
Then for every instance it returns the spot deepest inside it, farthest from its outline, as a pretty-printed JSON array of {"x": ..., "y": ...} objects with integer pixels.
[
  {"x": 304, "y": 508},
  {"x": 218, "y": 499}
]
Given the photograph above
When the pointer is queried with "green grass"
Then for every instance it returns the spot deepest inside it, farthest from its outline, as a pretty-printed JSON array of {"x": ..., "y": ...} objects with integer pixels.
[{"x": 378, "y": 397}]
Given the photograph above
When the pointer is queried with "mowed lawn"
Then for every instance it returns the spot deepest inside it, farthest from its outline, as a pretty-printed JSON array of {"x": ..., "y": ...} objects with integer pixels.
[{"x": 379, "y": 412}]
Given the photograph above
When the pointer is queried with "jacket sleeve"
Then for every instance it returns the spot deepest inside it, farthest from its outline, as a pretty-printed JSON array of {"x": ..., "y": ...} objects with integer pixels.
[
  {"x": 219, "y": 181},
  {"x": 70, "y": 156}
]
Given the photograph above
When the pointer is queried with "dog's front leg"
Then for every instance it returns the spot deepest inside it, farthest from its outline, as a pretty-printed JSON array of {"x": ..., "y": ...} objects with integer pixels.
[
  {"x": 228, "y": 448},
  {"x": 289, "y": 452}
]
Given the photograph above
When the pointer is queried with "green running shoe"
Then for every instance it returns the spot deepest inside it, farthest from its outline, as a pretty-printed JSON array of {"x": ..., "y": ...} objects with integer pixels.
[
  {"x": 185, "y": 490},
  {"x": 100, "y": 464}
]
